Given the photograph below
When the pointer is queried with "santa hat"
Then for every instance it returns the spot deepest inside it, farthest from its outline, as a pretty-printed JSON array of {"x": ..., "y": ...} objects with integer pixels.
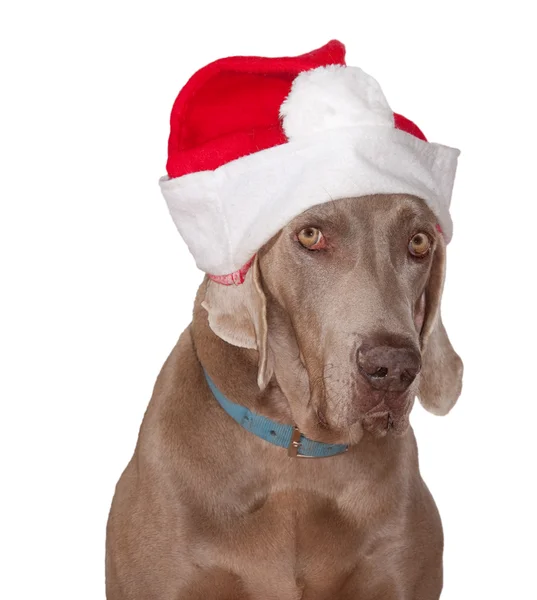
[{"x": 256, "y": 141}]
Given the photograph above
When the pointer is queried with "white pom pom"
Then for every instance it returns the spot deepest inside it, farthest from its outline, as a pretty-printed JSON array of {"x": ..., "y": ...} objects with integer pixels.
[{"x": 331, "y": 97}]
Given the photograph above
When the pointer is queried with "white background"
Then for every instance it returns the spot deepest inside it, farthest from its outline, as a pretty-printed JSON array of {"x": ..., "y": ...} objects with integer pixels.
[{"x": 96, "y": 284}]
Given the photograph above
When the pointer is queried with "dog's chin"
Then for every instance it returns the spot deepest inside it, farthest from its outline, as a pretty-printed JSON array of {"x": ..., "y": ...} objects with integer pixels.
[
  {"x": 376, "y": 417},
  {"x": 389, "y": 417},
  {"x": 384, "y": 422},
  {"x": 376, "y": 413}
]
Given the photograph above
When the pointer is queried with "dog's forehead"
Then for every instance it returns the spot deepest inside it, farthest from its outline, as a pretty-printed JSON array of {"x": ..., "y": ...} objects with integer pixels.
[{"x": 391, "y": 207}]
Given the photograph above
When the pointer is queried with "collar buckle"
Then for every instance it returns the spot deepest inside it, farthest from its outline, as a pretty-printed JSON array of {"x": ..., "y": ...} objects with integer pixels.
[{"x": 294, "y": 444}]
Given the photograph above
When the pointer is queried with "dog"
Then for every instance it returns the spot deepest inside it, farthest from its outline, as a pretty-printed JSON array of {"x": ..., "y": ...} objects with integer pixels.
[{"x": 335, "y": 331}]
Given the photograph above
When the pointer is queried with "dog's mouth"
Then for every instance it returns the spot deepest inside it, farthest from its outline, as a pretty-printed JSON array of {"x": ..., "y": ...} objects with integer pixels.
[
  {"x": 384, "y": 414},
  {"x": 344, "y": 413},
  {"x": 383, "y": 419},
  {"x": 383, "y": 423}
]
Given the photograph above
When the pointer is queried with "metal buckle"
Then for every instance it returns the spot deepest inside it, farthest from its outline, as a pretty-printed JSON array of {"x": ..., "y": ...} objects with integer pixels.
[{"x": 294, "y": 444}]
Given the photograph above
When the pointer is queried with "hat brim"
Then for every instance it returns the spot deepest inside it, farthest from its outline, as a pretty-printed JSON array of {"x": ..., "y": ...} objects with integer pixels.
[{"x": 226, "y": 215}]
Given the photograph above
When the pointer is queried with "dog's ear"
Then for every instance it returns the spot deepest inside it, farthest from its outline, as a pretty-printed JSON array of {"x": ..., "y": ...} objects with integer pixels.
[
  {"x": 441, "y": 374},
  {"x": 238, "y": 315}
]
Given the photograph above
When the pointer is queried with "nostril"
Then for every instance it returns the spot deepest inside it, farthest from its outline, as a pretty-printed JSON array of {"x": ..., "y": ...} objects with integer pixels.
[
  {"x": 380, "y": 373},
  {"x": 391, "y": 368},
  {"x": 408, "y": 376}
]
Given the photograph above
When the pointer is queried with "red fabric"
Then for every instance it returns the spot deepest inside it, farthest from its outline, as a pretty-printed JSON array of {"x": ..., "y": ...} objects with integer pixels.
[
  {"x": 235, "y": 278},
  {"x": 230, "y": 108},
  {"x": 405, "y": 124}
]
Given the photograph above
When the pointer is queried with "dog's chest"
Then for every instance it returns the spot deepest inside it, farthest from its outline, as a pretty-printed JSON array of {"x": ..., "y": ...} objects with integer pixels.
[{"x": 293, "y": 545}]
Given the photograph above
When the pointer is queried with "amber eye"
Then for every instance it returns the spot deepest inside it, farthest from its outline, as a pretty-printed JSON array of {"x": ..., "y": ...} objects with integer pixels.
[
  {"x": 419, "y": 245},
  {"x": 311, "y": 238}
]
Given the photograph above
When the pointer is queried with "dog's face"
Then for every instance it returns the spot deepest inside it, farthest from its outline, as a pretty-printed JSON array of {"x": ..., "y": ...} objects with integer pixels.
[{"x": 351, "y": 294}]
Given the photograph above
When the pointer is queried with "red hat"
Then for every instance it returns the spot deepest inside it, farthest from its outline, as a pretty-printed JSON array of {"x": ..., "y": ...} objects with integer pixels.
[{"x": 256, "y": 141}]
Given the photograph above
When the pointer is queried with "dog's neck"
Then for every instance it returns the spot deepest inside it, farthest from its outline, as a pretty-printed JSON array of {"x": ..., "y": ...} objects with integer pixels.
[{"x": 234, "y": 370}]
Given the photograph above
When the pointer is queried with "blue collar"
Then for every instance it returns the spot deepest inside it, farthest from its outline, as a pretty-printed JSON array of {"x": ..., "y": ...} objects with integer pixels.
[{"x": 285, "y": 436}]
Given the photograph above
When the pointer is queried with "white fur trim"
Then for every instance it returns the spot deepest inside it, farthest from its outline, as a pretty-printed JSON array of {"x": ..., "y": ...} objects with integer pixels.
[
  {"x": 226, "y": 215},
  {"x": 332, "y": 97}
]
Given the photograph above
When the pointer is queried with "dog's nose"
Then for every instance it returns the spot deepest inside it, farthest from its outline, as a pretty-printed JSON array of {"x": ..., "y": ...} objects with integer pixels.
[{"x": 389, "y": 368}]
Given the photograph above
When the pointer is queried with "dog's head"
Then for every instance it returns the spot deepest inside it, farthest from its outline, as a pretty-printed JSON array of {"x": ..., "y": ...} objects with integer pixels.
[{"x": 343, "y": 307}]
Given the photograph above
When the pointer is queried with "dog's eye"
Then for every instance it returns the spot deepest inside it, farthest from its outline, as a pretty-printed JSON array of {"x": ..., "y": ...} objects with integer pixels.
[
  {"x": 419, "y": 245},
  {"x": 311, "y": 238}
]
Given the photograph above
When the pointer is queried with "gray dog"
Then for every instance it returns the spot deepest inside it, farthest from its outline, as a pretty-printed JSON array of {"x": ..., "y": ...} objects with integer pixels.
[
  {"x": 276, "y": 460},
  {"x": 339, "y": 340}
]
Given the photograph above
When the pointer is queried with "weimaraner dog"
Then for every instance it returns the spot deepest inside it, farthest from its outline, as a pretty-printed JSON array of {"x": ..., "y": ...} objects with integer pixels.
[{"x": 335, "y": 331}]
